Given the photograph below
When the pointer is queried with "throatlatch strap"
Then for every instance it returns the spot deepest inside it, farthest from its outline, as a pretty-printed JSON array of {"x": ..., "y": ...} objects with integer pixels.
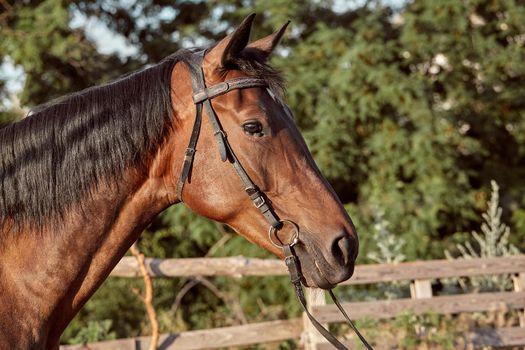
[
  {"x": 190, "y": 151},
  {"x": 194, "y": 65}
]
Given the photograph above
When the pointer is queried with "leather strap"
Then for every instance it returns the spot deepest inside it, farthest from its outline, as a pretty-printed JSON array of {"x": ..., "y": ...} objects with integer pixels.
[
  {"x": 202, "y": 96},
  {"x": 349, "y": 321},
  {"x": 218, "y": 132},
  {"x": 258, "y": 198},
  {"x": 224, "y": 87},
  {"x": 295, "y": 276},
  {"x": 190, "y": 151}
]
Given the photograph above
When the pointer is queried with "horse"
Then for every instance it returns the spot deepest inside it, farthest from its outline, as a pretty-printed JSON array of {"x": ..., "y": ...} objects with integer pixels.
[{"x": 81, "y": 177}]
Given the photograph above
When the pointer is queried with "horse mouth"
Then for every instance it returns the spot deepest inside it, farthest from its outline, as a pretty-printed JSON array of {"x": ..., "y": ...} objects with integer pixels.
[
  {"x": 315, "y": 270},
  {"x": 324, "y": 282}
]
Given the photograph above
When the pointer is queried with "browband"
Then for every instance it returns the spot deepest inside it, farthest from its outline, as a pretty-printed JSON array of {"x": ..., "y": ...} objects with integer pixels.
[{"x": 224, "y": 87}]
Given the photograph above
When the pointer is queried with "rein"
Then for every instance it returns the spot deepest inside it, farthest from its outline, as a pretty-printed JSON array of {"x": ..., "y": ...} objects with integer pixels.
[{"x": 202, "y": 97}]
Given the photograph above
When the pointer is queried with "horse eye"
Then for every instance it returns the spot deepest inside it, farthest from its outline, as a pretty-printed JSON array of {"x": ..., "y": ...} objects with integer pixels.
[{"x": 253, "y": 128}]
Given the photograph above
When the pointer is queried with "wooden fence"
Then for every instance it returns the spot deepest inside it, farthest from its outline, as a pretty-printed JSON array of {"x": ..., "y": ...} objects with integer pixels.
[{"x": 420, "y": 275}]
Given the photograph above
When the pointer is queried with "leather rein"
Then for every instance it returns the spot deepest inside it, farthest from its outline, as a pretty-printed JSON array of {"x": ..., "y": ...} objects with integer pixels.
[{"x": 202, "y": 97}]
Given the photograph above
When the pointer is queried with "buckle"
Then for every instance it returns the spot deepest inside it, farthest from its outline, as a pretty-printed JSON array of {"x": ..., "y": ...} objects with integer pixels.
[
  {"x": 189, "y": 154},
  {"x": 220, "y": 132},
  {"x": 259, "y": 202}
]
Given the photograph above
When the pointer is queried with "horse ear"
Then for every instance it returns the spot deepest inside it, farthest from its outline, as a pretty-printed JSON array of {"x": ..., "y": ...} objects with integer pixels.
[
  {"x": 232, "y": 45},
  {"x": 266, "y": 45}
]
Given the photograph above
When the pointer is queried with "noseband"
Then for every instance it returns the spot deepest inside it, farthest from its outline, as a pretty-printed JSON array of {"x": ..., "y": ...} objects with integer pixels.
[{"x": 202, "y": 96}]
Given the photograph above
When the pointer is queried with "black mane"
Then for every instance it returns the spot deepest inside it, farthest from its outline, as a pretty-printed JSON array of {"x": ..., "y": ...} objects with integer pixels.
[
  {"x": 53, "y": 157},
  {"x": 56, "y": 155}
]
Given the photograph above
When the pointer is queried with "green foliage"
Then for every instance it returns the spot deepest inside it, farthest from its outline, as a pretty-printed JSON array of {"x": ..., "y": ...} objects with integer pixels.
[
  {"x": 410, "y": 331},
  {"x": 492, "y": 242},
  {"x": 390, "y": 248},
  {"x": 7, "y": 117},
  {"x": 430, "y": 329},
  {"x": 494, "y": 239},
  {"x": 92, "y": 332},
  {"x": 55, "y": 58},
  {"x": 409, "y": 132},
  {"x": 389, "y": 251}
]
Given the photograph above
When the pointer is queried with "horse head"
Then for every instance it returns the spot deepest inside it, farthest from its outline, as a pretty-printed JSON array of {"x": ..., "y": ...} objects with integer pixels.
[{"x": 261, "y": 133}]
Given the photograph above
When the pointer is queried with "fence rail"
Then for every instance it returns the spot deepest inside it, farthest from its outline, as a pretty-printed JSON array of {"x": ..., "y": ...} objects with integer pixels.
[
  {"x": 263, "y": 332},
  {"x": 240, "y": 266},
  {"x": 237, "y": 266},
  {"x": 445, "y": 304},
  {"x": 420, "y": 274}
]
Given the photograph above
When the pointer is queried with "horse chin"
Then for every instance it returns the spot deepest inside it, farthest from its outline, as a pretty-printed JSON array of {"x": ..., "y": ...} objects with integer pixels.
[
  {"x": 316, "y": 280},
  {"x": 312, "y": 275}
]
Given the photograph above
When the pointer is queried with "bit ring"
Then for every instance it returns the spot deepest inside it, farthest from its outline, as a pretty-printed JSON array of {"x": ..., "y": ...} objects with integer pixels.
[{"x": 272, "y": 234}]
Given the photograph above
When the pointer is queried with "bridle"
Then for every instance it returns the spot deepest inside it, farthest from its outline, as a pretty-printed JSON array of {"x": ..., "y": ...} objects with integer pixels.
[{"x": 202, "y": 97}]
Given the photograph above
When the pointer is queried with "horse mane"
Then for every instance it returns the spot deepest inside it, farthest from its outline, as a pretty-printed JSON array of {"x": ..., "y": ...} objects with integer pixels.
[
  {"x": 63, "y": 149},
  {"x": 56, "y": 155}
]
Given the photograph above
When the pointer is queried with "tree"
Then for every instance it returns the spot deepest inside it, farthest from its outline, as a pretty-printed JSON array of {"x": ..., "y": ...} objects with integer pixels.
[{"x": 421, "y": 106}]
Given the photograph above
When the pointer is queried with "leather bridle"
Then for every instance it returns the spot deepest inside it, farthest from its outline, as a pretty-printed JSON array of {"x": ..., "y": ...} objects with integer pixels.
[{"x": 202, "y": 97}]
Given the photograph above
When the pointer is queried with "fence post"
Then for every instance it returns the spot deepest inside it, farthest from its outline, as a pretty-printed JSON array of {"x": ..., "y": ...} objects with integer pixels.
[
  {"x": 519, "y": 286},
  {"x": 421, "y": 289},
  {"x": 311, "y": 337}
]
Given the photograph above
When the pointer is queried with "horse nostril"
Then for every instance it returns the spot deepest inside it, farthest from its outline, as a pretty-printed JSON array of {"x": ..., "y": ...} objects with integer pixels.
[{"x": 342, "y": 250}]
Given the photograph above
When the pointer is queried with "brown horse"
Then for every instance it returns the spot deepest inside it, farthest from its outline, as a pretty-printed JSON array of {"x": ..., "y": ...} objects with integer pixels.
[{"x": 81, "y": 178}]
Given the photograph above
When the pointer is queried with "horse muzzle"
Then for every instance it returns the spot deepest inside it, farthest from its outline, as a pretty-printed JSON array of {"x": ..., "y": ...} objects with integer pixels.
[
  {"x": 321, "y": 271},
  {"x": 322, "y": 267}
]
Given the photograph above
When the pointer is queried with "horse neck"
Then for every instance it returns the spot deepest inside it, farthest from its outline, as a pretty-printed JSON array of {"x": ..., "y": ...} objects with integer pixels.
[{"x": 59, "y": 271}]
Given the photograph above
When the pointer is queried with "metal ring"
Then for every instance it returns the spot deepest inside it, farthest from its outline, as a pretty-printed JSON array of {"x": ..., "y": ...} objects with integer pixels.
[{"x": 273, "y": 231}]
